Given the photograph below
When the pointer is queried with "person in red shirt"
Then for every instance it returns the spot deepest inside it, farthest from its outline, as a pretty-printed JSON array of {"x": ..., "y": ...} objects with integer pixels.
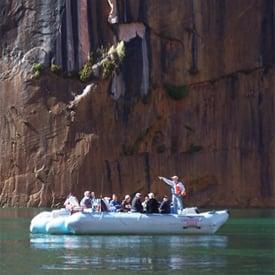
[{"x": 178, "y": 192}]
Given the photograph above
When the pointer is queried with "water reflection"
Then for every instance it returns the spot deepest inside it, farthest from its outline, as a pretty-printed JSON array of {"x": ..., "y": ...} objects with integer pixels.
[
  {"x": 132, "y": 252},
  {"x": 70, "y": 242}
]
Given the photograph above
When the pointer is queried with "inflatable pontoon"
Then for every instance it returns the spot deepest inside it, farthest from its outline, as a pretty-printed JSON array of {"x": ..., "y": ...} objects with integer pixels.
[{"x": 87, "y": 222}]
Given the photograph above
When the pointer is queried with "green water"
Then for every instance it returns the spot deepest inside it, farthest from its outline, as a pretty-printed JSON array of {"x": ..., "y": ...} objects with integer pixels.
[{"x": 245, "y": 245}]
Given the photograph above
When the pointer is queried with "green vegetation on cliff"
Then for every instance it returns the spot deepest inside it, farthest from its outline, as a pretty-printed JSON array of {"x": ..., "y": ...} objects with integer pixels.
[
  {"x": 86, "y": 71},
  {"x": 108, "y": 60},
  {"x": 56, "y": 69},
  {"x": 176, "y": 92},
  {"x": 193, "y": 148},
  {"x": 37, "y": 69}
]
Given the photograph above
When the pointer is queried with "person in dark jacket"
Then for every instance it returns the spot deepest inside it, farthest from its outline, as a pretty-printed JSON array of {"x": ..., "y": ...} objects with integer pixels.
[
  {"x": 126, "y": 204},
  {"x": 165, "y": 206},
  {"x": 152, "y": 204},
  {"x": 136, "y": 203}
]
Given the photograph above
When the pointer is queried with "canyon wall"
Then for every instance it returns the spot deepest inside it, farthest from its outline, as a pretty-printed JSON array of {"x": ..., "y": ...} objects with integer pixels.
[{"x": 193, "y": 96}]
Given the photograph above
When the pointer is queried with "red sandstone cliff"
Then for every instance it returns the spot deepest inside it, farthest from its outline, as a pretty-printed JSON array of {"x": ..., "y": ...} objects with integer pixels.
[{"x": 126, "y": 129}]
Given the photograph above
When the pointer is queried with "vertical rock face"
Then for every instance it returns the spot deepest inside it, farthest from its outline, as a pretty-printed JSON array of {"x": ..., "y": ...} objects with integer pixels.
[{"x": 194, "y": 96}]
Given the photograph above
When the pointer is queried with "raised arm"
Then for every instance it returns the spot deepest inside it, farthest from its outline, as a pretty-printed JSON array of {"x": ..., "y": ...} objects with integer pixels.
[{"x": 167, "y": 181}]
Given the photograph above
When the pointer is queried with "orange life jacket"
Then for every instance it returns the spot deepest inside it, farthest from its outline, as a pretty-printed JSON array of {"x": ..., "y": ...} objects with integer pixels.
[{"x": 179, "y": 190}]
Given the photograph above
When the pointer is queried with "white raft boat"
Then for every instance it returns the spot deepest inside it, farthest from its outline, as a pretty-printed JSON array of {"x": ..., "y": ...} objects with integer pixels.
[{"x": 187, "y": 222}]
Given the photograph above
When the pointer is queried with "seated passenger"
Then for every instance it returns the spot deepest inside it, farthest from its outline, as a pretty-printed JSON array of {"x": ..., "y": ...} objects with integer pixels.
[
  {"x": 95, "y": 202},
  {"x": 92, "y": 196},
  {"x": 165, "y": 206},
  {"x": 126, "y": 204},
  {"x": 114, "y": 204},
  {"x": 104, "y": 204},
  {"x": 152, "y": 204},
  {"x": 97, "y": 205},
  {"x": 71, "y": 203},
  {"x": 144, "y": 204},
  {"x": 136, "y": 204},
  {"x": 107, "y": 200},
  {"x": 87, "y": 201}
]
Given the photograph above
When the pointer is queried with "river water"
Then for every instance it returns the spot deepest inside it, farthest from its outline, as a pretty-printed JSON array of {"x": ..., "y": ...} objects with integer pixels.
[{"x": 245, "y": 245}]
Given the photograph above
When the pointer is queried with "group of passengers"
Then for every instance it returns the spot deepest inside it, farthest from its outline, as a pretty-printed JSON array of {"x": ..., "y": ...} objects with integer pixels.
[{"x": 149, "y": 205}]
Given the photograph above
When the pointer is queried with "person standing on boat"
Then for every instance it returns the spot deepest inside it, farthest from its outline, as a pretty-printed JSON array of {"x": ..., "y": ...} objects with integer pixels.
[
  {"x": 177, "y": 190},
  {"x": 136, "y": 203}
]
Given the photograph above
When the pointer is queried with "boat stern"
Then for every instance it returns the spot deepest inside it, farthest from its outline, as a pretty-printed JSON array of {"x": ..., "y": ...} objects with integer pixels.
[{"x": 219, "y": 219}]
